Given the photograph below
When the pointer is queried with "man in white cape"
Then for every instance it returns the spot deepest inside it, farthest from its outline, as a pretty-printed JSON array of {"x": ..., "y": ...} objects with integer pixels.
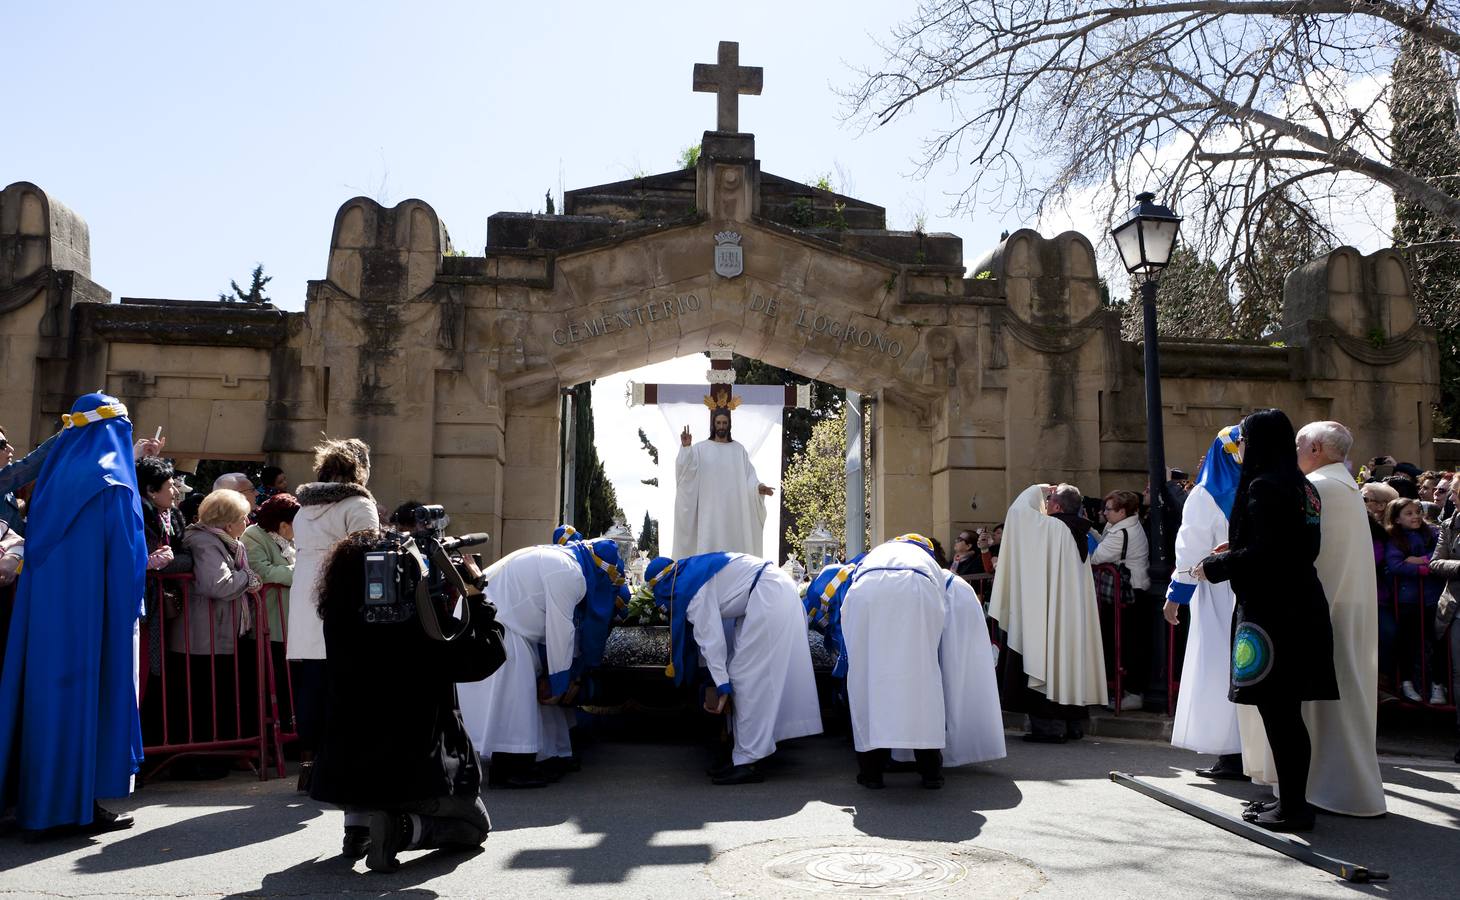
[
  {"x": 1206, "y": 721},
  {"x": 892, "y": 623},
  {"x": 744, "y": 617},
  {"x": 719, "y": 502},
  {"x": 1344, "y": 775},
  {"x": 1044, "y": 598}
]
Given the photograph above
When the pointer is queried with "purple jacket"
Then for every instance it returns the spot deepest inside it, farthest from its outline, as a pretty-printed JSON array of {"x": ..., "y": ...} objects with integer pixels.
[{"x": 1410, "y": 581}]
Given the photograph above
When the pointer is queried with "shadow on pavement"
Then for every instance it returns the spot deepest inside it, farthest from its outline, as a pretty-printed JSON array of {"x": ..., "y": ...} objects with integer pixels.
[
  {"x": 334, "y": 874},
  {"x": 662, "y": 789}
]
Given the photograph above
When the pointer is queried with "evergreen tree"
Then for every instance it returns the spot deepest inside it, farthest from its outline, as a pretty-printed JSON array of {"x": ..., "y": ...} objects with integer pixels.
[
  {"x": 649, "y": 536},
  {"x": 1426, "y": 142},
  {"x": 254, "y": 296},
  {"x": 649, "y": 447},
  {"x": 1193, "y": 301},
  {"x": 1286, "y": 234},
  {"x": 594, "y": 497}
]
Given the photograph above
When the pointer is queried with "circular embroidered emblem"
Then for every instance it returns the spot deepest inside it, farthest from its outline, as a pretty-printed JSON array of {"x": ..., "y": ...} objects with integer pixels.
[{"x": 1251, "y": 655}]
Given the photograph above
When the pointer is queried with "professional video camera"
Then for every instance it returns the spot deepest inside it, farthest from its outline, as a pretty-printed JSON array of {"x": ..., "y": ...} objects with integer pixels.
[{"x": 422, "y": 574}]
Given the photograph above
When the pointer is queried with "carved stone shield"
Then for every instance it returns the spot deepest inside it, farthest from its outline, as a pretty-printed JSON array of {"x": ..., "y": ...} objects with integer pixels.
[{"x": 729, "y": 257}]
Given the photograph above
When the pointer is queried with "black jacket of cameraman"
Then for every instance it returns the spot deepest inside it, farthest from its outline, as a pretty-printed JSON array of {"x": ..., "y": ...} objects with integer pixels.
[{"x": 393, "y": 730}]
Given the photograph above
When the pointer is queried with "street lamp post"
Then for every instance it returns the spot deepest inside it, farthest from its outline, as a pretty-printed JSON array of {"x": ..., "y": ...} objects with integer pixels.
[{"x": 1145, "y": 241}]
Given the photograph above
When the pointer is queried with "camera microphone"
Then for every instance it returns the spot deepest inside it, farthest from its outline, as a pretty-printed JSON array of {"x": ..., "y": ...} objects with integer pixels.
[{"x": 466, "y": 540}]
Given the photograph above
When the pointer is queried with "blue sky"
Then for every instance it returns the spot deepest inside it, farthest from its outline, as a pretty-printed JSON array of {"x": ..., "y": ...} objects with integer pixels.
[{"x": 198, "y": 139}]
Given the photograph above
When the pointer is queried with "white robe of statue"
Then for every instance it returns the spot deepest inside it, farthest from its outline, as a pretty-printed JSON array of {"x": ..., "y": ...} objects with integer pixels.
[
  {"x": 892, "y": 624},
  {"x": 1044, "y": 597},
  {"x": 763, "y": 656},
  {"x": 1206, "y": 721},
  {"x": 717, "y": 503},
  {"x": 535, "y": 593},
  {"x": 1344, "y": 774},
  {"x": 967, "y": 658}
]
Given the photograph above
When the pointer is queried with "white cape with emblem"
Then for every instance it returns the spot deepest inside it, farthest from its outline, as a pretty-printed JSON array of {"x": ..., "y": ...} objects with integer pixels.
[
  {"x": 892, "y": 622},
  {"x": 717, "y": 503},
  {"x": 1044, "y": 597},
  {"x": 1206, "y": 721}
]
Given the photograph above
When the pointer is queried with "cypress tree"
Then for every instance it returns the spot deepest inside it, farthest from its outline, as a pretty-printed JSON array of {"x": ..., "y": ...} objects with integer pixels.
[{"x": 1425, "y": 141}]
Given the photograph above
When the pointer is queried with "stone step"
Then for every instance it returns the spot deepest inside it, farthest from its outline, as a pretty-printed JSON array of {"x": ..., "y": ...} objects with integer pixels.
[{"x": 1138, "y": 726}]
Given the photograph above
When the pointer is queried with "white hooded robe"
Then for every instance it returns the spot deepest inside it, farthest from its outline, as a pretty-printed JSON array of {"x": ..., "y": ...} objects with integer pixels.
[
  {"x": 535, "y": 591},
  {"x": 892, "y": 623},
  {"x": 967, "y": 658},
  {"x": 1206, "y": 721},
  {"x": 764, "y": 659}
]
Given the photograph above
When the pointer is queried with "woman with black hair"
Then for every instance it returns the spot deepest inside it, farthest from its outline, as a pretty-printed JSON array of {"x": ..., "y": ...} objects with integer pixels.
[{"x": 1282, "y": 640}]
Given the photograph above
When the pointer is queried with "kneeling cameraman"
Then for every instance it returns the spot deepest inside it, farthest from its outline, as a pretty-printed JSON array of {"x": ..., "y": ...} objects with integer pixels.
[{"x": 395, "y": 752}]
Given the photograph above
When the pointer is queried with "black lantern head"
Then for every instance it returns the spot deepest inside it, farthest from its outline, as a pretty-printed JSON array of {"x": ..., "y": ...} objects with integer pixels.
[{"x": 1147, "y": 237}]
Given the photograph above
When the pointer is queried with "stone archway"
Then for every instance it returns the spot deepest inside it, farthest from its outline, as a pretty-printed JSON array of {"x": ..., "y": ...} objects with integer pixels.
[{"x": 986, "y": 378}]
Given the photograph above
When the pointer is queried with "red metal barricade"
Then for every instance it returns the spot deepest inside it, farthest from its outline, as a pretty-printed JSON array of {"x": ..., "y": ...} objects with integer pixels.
[
  {"x": 216, "y": 700},
  {"x": 1424, "y": 633},
  {"x": 283, "y": 722},
  {"x": 1117, "y": 679}
]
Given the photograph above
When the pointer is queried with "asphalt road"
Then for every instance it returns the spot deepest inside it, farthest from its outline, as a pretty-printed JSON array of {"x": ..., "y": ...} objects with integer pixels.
[{"x": 641, "y": 820}]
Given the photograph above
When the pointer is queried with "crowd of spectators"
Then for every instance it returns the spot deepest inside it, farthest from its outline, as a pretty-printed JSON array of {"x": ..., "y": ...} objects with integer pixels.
[{"x": 1416, "y": 557}]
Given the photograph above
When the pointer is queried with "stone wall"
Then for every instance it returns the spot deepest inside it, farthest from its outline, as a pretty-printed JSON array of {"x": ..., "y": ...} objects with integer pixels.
[{"x": 451, "y": 367}]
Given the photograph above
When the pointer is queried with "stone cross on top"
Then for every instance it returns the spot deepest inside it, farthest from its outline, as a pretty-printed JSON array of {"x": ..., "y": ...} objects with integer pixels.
[{"x": 728, "y": 79}]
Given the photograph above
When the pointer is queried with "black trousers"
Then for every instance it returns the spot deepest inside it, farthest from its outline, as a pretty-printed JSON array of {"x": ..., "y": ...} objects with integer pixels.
[
  {"x": 1292, "y": 752},
  {"x": 872, "y": 763},
  {"x": 443, "y": 821}
]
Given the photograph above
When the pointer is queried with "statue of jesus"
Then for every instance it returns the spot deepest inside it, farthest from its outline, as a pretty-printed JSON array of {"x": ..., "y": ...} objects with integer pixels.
[{"x": 719, "y": 502}]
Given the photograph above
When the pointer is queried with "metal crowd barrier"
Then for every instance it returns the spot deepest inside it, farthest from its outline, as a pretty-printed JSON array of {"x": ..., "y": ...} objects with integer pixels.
[
  {"x": 1117, "y": 681},
  {"x": 1424, "y": 634},
  {"x": 211, "y": 701}
]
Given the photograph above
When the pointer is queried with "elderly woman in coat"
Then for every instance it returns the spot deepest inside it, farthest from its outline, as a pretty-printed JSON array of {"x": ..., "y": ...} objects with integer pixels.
[{"x": 203, "y": 638}]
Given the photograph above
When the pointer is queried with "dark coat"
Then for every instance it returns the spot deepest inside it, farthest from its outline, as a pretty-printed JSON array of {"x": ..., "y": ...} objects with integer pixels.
[
  {"x": 182, "y": 557},
  {"x": 1282, "y": 640},
  {"x": 393, "y": 730}
]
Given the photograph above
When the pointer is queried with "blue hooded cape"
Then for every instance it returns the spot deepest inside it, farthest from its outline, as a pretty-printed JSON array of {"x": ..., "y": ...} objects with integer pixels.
[
  {"x": 564, "y": 534},
  {"x": 1220, "y": 471},
  {"x": 604, "y": 575},
  {"x": 674, "y": 585},
  {"x": 824, "y": 609},
  {"x": 69, "y": 731}
]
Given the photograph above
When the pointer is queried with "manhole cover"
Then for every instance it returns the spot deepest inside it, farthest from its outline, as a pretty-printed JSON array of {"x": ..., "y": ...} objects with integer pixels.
[
  {"x": 868, "y": 866},
  {"x": 865, "y": 871}
]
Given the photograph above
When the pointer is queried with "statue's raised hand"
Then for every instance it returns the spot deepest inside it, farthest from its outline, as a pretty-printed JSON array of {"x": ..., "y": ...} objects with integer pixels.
[{"x": 684, "y": 438}]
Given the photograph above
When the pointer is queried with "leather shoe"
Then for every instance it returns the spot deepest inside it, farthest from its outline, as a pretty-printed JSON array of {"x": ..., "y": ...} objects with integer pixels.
[
  {"x": 1222, "y": 773},
  {"x": 356, "y": 843},
  {"x": 933, "y": 782},
  {"x": 1035, "y": 738},
  {"x": 745, "y": 774},
  {"x": 870, "y": 782},
  {"x": 1277, "y": 820}
]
